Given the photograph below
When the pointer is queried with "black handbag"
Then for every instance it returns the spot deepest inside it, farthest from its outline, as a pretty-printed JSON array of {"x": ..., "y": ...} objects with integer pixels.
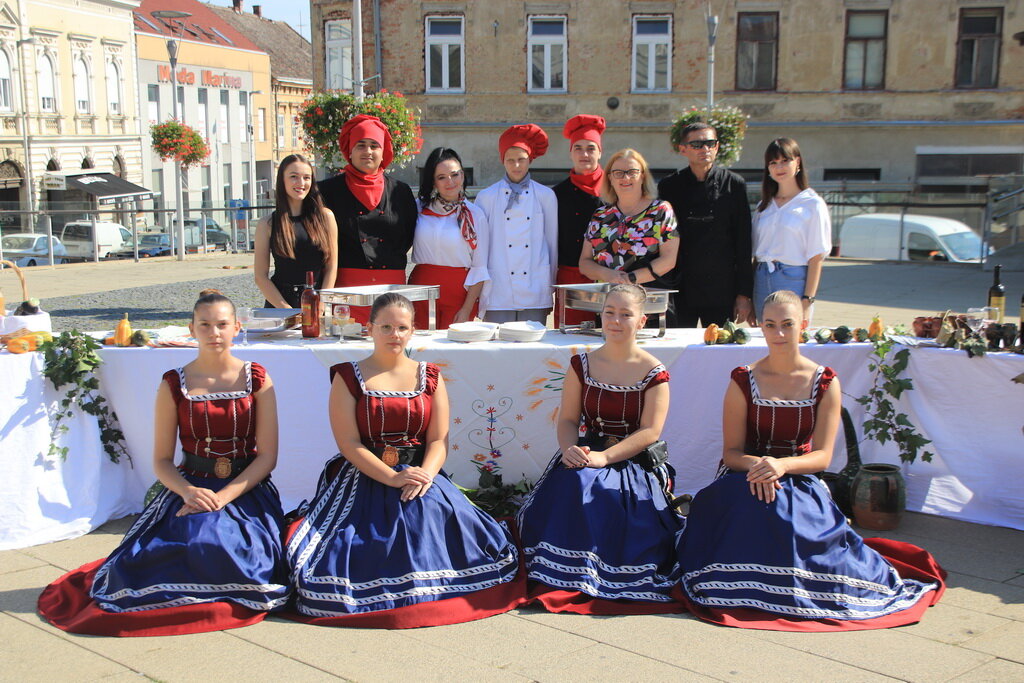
[{"x": 652, "y": 457}]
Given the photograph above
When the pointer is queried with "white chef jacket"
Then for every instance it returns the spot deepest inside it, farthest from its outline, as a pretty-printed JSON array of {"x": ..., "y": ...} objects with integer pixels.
[
  {"x": 439, "y": 242},
  {"x": 794, "y": 233},
  {"x": 522, "y": 258}
]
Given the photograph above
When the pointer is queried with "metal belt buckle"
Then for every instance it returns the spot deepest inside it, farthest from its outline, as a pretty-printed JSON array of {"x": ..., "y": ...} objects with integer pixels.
[
  {"x": 390, "y": 456},
  {"x": 222, "y": 468}
]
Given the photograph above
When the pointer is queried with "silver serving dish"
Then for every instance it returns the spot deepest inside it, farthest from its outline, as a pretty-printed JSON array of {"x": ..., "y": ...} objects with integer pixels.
[
  {"x": 366, "y": 295},
  {"x": 269, "y": 320},
  {"x": 590, "y": 297}
]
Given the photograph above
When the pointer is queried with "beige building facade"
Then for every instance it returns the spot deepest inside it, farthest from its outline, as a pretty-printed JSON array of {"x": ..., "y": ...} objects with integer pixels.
[
  {"x": 926, "y": 92},
  {"x": 67, "y": 100}
]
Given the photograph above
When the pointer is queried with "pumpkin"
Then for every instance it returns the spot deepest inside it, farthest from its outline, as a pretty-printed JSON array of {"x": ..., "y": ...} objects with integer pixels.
[
  {"x": 860, "y": 334},
  {"x": 740, "y": 336},
  {"x": 123, "y": 333},
  {"x": 711, "y": 334},
  {"x": 140, "y": 338},
  {"x": 724, "y": 336},
  {"x": 876, "y": 330},
  {"x": 823, "y": 336},
  {"x": 805, "y": 336},
  {"x": 842, "y": 334},
  {"x": 28, "y": 342}
]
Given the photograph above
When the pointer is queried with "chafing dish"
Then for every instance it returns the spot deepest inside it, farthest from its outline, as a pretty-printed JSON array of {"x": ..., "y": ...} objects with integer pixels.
[
  {"x": 366, "y": 295},
  {"x": 268, "y": 320},
  {"x": 590, "y": 297}
]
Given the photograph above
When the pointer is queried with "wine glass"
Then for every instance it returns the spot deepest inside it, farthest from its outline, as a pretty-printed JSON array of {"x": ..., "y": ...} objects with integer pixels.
[
  {"x": 244, "y": 316},
  {"x": 975, "y": 319},
  {"x": 990, "y": 315}
]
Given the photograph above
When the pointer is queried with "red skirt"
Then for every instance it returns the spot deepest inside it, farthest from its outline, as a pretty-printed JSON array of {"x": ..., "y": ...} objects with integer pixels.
[
  {"x": 576, "y": 602},
  {"x": 453, "y": 293},
  {"x": 362, "y": 277},
  {"x": 569, "y": 275},
  {"x": 910, "y": 562},
  {"x": 66, "y": 604}
]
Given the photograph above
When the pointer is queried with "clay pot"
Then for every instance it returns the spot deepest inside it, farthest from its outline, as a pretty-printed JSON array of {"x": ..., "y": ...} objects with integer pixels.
[{"x": 879, "y": 496}]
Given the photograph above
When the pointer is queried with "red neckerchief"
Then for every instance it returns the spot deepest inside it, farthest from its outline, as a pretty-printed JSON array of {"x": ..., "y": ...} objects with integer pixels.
[
  {"x": 464, "y": 217},
  {"x": 368, "y": 189},
  {"x": 588, "y": 182}
]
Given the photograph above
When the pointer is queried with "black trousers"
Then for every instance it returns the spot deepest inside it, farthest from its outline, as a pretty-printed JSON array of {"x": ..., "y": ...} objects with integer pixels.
[{"x": 694, "y": 315}]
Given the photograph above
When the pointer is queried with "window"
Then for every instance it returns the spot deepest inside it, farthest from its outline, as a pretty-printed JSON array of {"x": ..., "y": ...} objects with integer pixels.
[
  {"x": 757, "y": 43},
  {"x": 977, "y": 50},
  {"x": 181, "y": 103},
  {"x": 444, "y": 51},
  {"x": 207, "y": 196},
  {"x": 338, "y": 45},
  {"x": 864, "y": 65},
  {"x": 204, "y": 112},
  {"x": 157, "y": 185},
  {"x": 243, "y": 116},
  {"x": 546, "y": 51},
  {"x": 153, "y": 110},
  {"x": 295, "y": 129},
  {"x": 6, "y": 103},
  {"x": 261, "y": 124},
  {"x": 923, "y": 247},
  {"x": 280, "y": 130},
  {"x": 245, "y": 182},
  {"x": 80, "y": 73},
  {"x": 226, "y": 178},
  {"x": 113, "y": 89},
  {"x": 223, "y": 134},
  {"x": 47, "y": 81},
  {"x": 652, "y": 54},
  {"x": 853, "y": 174},
  {"x": 957, "y": 164}
]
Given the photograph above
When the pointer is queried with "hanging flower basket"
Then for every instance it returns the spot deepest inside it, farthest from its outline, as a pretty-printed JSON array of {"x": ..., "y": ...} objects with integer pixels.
[
  {"x": 173, "y": 140},
  {"x": 325, "y": 112},
  {"x": 729, "y": 122}
]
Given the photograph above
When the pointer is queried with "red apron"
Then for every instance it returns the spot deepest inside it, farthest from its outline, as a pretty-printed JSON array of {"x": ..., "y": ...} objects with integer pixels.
[
  {"x": 453, "y": 293},
  {"x": 570, "y": 275},
  {"x": 362, "y": 277}
]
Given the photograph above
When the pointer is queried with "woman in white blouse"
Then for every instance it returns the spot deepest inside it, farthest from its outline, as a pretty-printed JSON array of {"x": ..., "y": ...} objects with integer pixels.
[
  {"x": 450, "y": 247},
  {"x": 792, "y": 229}
]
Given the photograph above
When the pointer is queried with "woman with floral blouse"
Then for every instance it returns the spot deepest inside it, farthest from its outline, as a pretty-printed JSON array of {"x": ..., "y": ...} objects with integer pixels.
[{"x": 633, "y": 238}]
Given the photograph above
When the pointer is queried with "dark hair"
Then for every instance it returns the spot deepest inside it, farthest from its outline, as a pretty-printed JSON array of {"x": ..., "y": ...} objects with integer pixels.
[
  {"x": 780, "y": 148},
  {"x": 312, "y": 215},
  {"x": 211, "y": 296},
  {"x": 430, "y": 166},
  {"x": 390, "y": 299},
  {"x": 693, "y": 128}
]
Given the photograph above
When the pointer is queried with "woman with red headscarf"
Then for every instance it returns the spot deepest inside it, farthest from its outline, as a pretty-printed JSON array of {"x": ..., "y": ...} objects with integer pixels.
[
  {"x": 376, "y": 214},
  {"x": 578, "y": 198},
  {"x": 522, "y": 224}
]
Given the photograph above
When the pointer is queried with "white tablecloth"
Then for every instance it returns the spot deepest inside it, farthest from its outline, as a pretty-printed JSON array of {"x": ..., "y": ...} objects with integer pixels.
[{"x": 503, "y": 401}]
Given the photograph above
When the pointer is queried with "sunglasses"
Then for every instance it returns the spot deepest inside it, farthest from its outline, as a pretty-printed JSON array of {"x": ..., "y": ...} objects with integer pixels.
[{"x": 697, "y": 144}]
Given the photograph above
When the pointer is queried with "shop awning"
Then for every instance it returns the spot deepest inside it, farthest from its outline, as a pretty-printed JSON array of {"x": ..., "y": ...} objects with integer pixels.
[{"x": 107, "y": 187}]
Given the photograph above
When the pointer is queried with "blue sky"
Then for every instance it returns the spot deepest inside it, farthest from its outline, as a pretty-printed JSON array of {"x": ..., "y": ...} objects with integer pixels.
[{"x": 294, "y": 12}]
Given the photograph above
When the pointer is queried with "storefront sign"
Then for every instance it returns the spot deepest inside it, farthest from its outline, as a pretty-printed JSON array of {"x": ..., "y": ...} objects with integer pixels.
[
  {"x": 53, "y": 181},
  {"x": 207, "y": 77}
]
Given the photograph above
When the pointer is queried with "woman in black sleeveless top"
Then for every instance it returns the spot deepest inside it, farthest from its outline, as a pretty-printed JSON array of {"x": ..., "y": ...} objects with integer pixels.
[{"x": 300, "y": 234}]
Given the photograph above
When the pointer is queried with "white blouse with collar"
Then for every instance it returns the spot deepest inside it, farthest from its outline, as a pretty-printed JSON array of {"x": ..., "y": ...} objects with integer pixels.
[
  {"x": 438, "y": 241},
  {"x": 795, "y": 232}
]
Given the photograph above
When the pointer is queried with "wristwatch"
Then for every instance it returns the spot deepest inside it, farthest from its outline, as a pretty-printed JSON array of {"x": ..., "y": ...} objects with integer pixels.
[
  {"x": 632, "y": 277},
  {"x": 810, "y": 299}
]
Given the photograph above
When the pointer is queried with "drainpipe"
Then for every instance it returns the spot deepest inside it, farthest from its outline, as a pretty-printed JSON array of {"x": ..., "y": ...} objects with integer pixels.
[{"x": 377, "y": 55}]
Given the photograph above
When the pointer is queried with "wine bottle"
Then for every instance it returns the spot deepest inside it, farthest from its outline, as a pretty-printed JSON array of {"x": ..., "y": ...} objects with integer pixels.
[
  {"x": 997, "y": 296},
  {"x": 310, "y": 302}
]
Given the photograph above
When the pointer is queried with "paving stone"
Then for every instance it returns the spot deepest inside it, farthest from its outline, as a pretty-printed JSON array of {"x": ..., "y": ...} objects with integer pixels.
[
  {"x": 948, "y": 623},
  {"x": 890, "y": 652},
  {"x": 603, "y": 662},
  {"x": 15, "y": 561},
  {"x": 1001, "y": 599},
  {"x": 997, "y": 563},
  {"x": 19, "y": 591},
  {"x": 995, "y": 671},
  {"x": 1006, "y": 642},
  {"x": 75, "y": 552},
  {"x": 30, "y": 654}
]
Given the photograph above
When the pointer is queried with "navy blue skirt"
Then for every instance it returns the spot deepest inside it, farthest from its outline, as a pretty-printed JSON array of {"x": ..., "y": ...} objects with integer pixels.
[
  {"x": 360, "y": 549},
  {"x": 606, "y": 532},
  {"x": 796, "y": 558},
  {"x": 233, "y": 554}
]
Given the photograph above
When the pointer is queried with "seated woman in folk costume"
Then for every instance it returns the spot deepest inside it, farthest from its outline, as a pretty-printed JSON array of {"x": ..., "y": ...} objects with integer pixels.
[
  {"x": 206, "y": 553},
  {"x": 389, "y": 541},
  {"x": 765, "y": 547}
]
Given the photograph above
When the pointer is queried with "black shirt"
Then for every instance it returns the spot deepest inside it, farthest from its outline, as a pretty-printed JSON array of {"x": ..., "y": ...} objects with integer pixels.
[
  {"x": 575, "y": 209},
  {"x": 375, "y": 239},
  {"x": 290, "y": 273},
  {"x": 714, "y": 236}
]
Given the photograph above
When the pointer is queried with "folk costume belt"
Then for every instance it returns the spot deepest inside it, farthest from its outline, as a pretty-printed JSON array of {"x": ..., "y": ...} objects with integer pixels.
[
  {"x": 222, "y": 468},
  {"x": 650, "y": 458},
  {"x": 400, "y": 455}
]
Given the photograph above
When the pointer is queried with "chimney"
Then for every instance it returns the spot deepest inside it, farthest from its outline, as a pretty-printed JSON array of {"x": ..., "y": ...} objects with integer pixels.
[
  {"x": 237, "y": 5},
  {"x": 257, "y": 10}
]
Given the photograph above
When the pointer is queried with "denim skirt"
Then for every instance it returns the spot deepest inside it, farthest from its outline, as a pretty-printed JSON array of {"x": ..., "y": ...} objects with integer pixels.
[{"x": 783, "y": 276}]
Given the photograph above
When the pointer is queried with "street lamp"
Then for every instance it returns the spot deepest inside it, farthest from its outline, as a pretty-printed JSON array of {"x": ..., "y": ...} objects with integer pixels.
[
  {"x": 24, "y": 130},
  {"x": 712, "y": 34},
  {"x": 172, "y": 55},
  {"x": 252, "y": 166}
]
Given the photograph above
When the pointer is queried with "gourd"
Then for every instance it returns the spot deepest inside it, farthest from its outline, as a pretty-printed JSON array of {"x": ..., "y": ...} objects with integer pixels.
[
  {"x": 823, "y": 336},
  {"x": 140, "y": 338},
  {"x": 876, "y": 330},
  {"x": 724, "y": 336},
  {"x": 805, "y": 336},
  {"x": 711, "y": 334},
  {"x": 28, "y": 342},
  {"x": 860, "y": 334},
  {"x": 740, "y": 336},
  {"x": 123, "y": 333},
  {"x": 842, "y": 334}
]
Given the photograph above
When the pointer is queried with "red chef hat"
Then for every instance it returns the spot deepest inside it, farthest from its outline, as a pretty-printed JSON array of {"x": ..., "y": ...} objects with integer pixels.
[
  {"x": 365, "y": 126},
  {"x": 528, "y": 137},
  {"x": 584, "y": 127}
]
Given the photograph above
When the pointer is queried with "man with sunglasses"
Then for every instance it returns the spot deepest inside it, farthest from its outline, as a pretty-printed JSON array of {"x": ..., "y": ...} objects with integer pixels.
[{"x": 713, "y": 270}]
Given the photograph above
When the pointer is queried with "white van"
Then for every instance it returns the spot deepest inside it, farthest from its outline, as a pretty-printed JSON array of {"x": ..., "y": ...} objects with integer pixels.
[
  {"x": 78, "y": 238},
  {"x": 925, "y": 238}
]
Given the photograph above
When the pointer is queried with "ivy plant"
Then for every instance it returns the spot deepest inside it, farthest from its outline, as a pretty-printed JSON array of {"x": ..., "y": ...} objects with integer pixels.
[
  {"x": 493, "y": 495},
  {"x": 70, "y": 360}
]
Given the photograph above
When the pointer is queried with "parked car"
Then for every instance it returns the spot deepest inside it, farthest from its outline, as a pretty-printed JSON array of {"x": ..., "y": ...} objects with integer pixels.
[
  {"x": 158, "y": 244},
  {"x": 29, "y": 249},
  {"x": 216, "y": 238},
  {"x": 78, "y": 238},
  {"x": 925, "y": 238}
]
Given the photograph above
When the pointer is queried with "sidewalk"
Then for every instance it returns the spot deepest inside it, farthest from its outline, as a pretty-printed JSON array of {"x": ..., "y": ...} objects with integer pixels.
[{"x": 976, "y": 633}]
